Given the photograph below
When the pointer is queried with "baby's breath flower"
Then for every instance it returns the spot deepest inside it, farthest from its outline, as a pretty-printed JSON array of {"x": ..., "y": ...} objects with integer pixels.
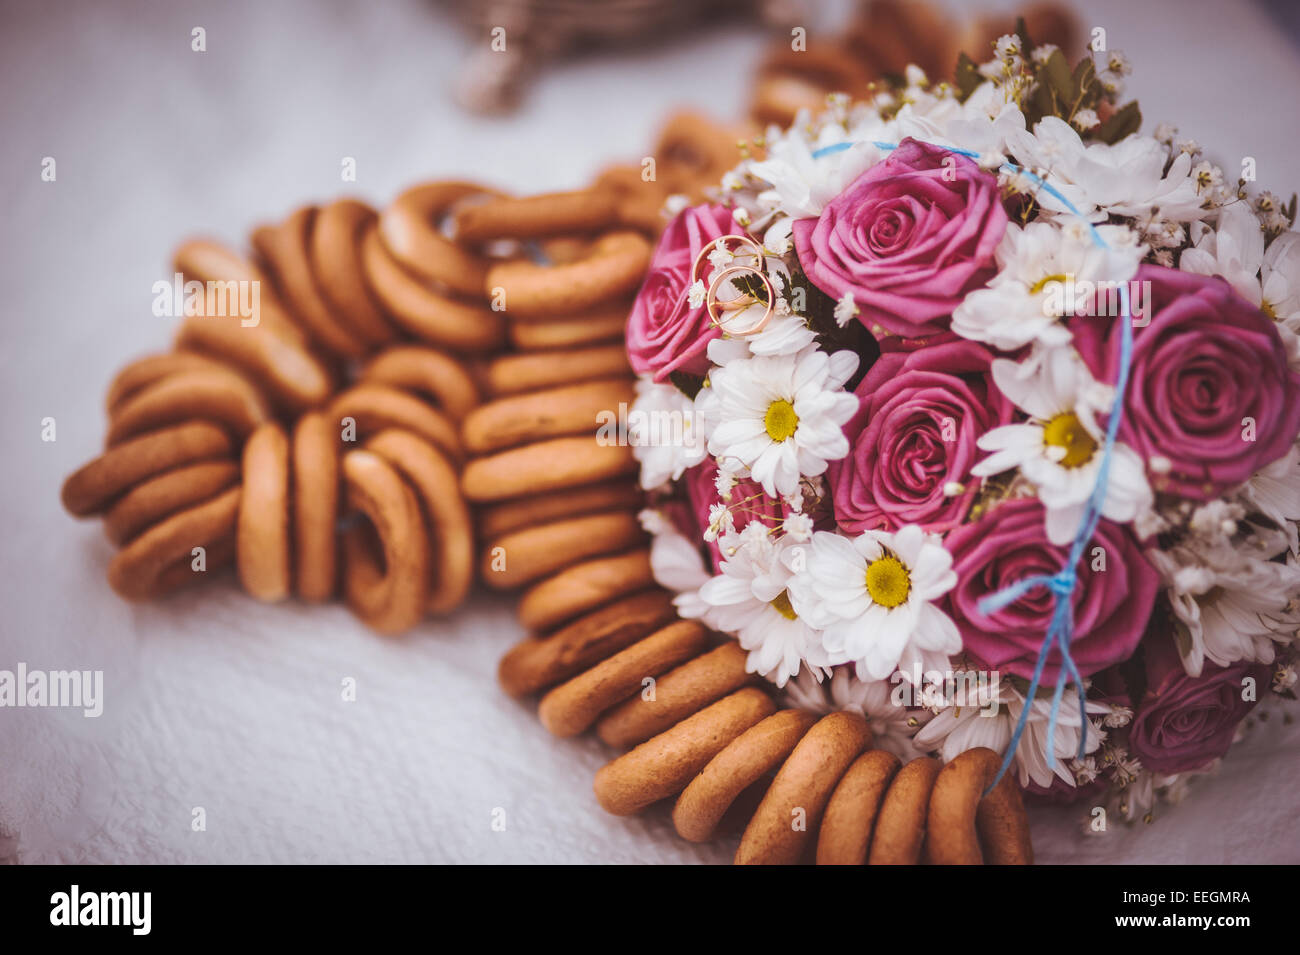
[
  {"x": 695, "y": 295},
  {"x": 1208, "y": 177},
  {"x": 676, "y": 203},
  {"x": 1043, "y": 52},
  {"x": 845, "y": 310},
  {"x": 1085, "y": 119},
  {"x": 1007, "y": 47},
  {"x": 798, "y": 527}
]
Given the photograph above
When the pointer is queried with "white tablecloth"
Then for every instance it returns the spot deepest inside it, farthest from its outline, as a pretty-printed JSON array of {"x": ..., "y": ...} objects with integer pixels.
[{"x": 216, "y": 702}]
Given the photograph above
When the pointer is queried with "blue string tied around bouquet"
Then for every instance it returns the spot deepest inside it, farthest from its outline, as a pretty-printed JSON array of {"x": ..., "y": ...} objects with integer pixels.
[{"x": 1061, "y": 584}]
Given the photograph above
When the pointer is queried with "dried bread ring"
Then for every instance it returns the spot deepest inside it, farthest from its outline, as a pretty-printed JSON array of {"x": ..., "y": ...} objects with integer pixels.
[
  {"x": 150, "y": 501},
  {"x": 150, "y": 369},
  {"x": 211, "y": 394},
  {"x": 447, "y": 517},
  {"x": 899, "y": 834},
  {"x": 428, "y": 372},
  {"x": 966, "y": 827},
  {"x": 93, "y": 487},
  {"x": 605, "y": 324},
  {"x": 584, "y": 587},
  {"x": 315, "y": 468},
  {"x": 274, "y": 352},
  {"x": 544, "y": 466},
  {"x": 520, "y": 419},
  {"x": 140, "y": 570},
  {"x": 850, "y": 817},
  {"x": 678, "y": 693},
  {"x": 285, "y": 249},
  {"x": 262, "y": 535},
  {"x": 662, "y": 766},
  {"x": 512, "y": 374},
  {"x": 425, "y": 313},
  {"x": 539, "y": 662},
  {"x": 534, "y": 552},
  {"x": 410, "y": 233},
  {"x": 534, "y": 217},
  {"x": 335, "y": 254},
  {"x": 206, "y": 261},
  {"x": 572, "y": 707},
  {"x": 740, "y": 764},
  {"x": 289, "y": 373},
  {"x": 389, "y": 596},
  {"x": 181, "y": 573},
  {"x": 693, "y": 149},
  {"x": 804, "y": 783},
  {"x": 376, "y": 407},
  {"x": 640, "y": 201},
  {"x": 523, "y": 512},
  {"x": 614, "y": 266}
]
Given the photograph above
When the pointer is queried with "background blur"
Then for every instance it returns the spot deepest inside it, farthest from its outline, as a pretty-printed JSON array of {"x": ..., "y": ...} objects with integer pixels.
[{"x": 214, "y": 701}]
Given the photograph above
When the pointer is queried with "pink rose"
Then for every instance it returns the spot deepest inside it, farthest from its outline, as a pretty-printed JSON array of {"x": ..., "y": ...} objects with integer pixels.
[
  {"x": 908, "y": 239},
  {"x": 1008, "y": 544},
  {"x": 1184, "y": 722},
  {"x": 1210, "y": 391},
  {"x": 919, "y": 415},
  {"x": 665, "y": 333}
]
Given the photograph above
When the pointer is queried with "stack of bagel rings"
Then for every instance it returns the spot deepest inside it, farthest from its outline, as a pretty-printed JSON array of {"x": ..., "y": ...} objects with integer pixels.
[
  {"x": 694, "y": 726},
  {"x": 319, "y": 445}
]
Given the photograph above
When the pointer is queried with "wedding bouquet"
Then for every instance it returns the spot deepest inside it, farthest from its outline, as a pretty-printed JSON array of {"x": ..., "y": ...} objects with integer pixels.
[{"x": 974, "y": 408}]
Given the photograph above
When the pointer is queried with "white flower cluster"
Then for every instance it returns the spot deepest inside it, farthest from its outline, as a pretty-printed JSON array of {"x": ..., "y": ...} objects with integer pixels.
[{"x": 803, "y": 598}]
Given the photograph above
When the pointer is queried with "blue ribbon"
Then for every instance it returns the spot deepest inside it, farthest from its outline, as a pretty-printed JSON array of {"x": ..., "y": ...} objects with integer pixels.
[{"x": 1063, "y": 582}]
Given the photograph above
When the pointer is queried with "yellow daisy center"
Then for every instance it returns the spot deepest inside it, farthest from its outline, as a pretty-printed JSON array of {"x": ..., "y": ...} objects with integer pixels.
[
  {"x": 1066, "y": 431},
  {"x": 1267, "y": 308},
  {"x": 888, "y": 581},
  {"x": 780, "y": 420},
  {"x": 1047, "y": 280},
  {"x": 782, "y": 605}
]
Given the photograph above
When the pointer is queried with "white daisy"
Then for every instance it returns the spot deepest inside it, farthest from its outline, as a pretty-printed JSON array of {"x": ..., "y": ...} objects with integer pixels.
[
  {"x": 1274, "y": 491},
  {"x": 663, "y": 433},
  {"x": 1126, "y": 178},
  {"x": 1046, "y": 273},
  {"x": 781, "y": 416},
  {"x": 675, "y": 562},
  {"x": 873, "y": 595},
  {"x": 749, "y": 599},
  {"x": 802, "y": 185},
  {"x": 1059, "y": 448},
  {"x": 1234, "y": 249},
  {"x": 1280, "y": 278},
  {"x": 959, "y": 728},
  {"x": 1232, "y": 600},
  {"x": 892, "y": 726}
]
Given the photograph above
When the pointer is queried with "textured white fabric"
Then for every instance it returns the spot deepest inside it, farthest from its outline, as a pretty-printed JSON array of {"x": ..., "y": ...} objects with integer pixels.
[{"x": 214, "y": 701}]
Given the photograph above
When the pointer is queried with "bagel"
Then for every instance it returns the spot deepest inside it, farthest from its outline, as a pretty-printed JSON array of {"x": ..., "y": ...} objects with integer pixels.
[{"x": 390, "y": 596}]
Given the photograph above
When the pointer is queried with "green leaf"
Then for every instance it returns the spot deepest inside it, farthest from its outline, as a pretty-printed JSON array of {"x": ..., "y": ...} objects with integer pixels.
[
  {"x": 1083, "y": 84},
  {"x": 967, "y": 77},
  {"x": 686, "y": 383},
  {"x": 1026, "y": 44},
  {"x": 748, "y": 283},
  {"x": 1123, "y": 122},
  {"x": 1055, "y": 74}
]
